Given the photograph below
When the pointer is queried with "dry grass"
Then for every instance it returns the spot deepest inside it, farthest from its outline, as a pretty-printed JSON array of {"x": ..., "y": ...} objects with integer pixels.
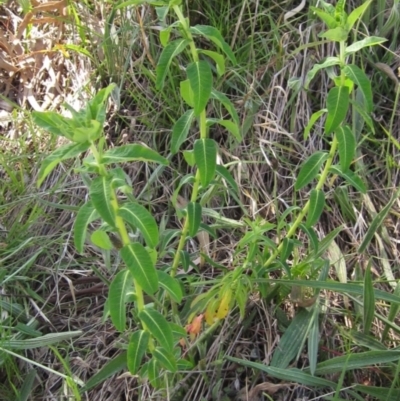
[{"x": 39, "y": 72}]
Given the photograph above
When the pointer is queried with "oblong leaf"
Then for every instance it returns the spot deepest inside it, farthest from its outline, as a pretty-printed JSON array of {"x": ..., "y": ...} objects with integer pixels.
[
  {"x": 346, "y": 146},
  {"x": 224, "y": 100},
  {"x": 101, "y": 239},
  {"x": 171, "y": 285},
  {"x": 132, "y": 152},
  {"x": 139, "y": 263},
  {"x": 215, "y": 36},
  {"x": 119, "y": 288},
  {"x": 139, "y": 217},
  {"x": 310, "y": 169},
  {"x": 53, "y": 122},
  {"x": 86, "y": 214},
  {"x": 200, "y": 78},
  {"x": 180, "y": 130},
  {"x": 369, "y": 300},
  {"x": 358, "y": 76},
  {"x": 366, "y": 42},
  {"x": 169, "y": 52},
  {"x": 158, "y": 327},
  {"x": 351, "y": 178},
  {"x": 136, "y": 349},
  {"x": 101, "y": 194},
  {"x": 329, "y": 62},
  {"x": 63, "y": 153},
  {"x": 317, "y": 204},
  {"x": 218, "y": 59},
  {"x": 205, "y": 153},
  {"x": 337, "y": 104},
  {"x": 194, "y": 217},
  {"x": 165, "y": 358}
]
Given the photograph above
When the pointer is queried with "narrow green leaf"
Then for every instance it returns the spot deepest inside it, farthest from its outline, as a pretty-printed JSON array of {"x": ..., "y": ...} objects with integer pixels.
[
  {"x": 169, "y": 52},
  {"x": 366, "y": 42},
  {"x": 26, "y": 389},
  {"x": 180, "y": 130},
  {"x": 194, "y": 218},
  {"x": 136, "y": 349},
  {"x": 359, "y": 77},
  {"x": 329, "y": 19},
  {"x": 101, "y": 195},
  {"x": 85, "y": 216},
  {"x": 230, "y": 125},
  {"x": 351, "y": 178},
  {"x": 317, "y": 205},
  {"x": 289, "y": 375},
  {"x": 313, "y": 119},
  {"x": 226, "y": 175},
  {"x": 165, "y": 358},
  {"x": 218, "y": 59},
  {"x": 313, "y": 340},
  {"x": 186, "y": 92},
  {"x": 138, "y": 216},
  {"x": 132, "y": 152},
  {"x": 337, "y": 104},
  {"x": 110, "y": 368},
  {"x": 292, "y": 341},
  {"x": 158, "y": 327},
  {"x": 337, "y": 34},
  {"x": 95, "y": 106},
  {"x": 310, "y": 169},
  {"x": 379, "y": 393},
  {"x": 171, "y": 285},
  {"x": 54, "y": 123},
  {"x": 119, "y": 288},
  {"x": 346, "y": 146},
  {"x": 329, "y": 62},
  {"x": 101, "y": 239},
  {"x": 357, "y": 361},
  {"x": 215, "y": 36},
  {"x": 154, "y": 373},
  {"x": 369, "y": 300},
  {"x": 205, "y": 154},
  {"x": 377, "y": 222},
  {"x": 312, "y": 236},
  {"x": 224, "y": 100},
  {"x": 63, "y": 153},
  {"x": 201, "y": 81},
  {"x": 139, "y": 263},
  {"x": 364, "y": 115}
]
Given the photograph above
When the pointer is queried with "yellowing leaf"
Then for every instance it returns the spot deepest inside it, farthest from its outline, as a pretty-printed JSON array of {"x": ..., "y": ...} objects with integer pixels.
[
  {"x": 194, "y": 328},
  {"x": 225, "y": 304},
  {"x": 211, "y": 311}
]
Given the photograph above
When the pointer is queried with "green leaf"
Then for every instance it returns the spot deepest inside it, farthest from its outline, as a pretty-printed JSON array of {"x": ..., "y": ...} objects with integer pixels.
[
  {"x": 109, "y": 369},
  {"x": 224, "y": 100},
  {"x": 201, "y": 82},
  {"x": 132, "y": 152},
  {"x": 63, "y": 153},
  {"x": 351, "y": 178},
  {"x": 369, "y": 300},
  {"x": 218, "y": 59},
  {"x": 226, "y": 175},
  {"x": 356, "y": 14},
  {"x": 289, "y": 375},
  {"x": 187, "y": 92},
  {"x": 364, "y": 115},
  {"x": 154, "y": 373},
  {"x": 171, "y": 285},
  {"x": 205, "y": 154},
  {"x": 337, "y": 104},
  {"x": 119, "y": 288},
  {"x": 215, "y": 36},
  {"x": 315, "y": 116},
  {"x": 101, "y": 194},
  {"x": 139, "y": 263},
  {"x": 194, "y": 218},
  {"x": 189, "y": 157},
  {"x": 379, "y": 393},
  {"x": 317, "y": 204},
  {"x": 312, "y": 236},
  {"x": 313, "y": 340},
  {"x": 101, "y": 239},
  {"x": 310, "y": 169},
  {"x": 329, "y": 62},
  {"x": 180, "y": 130},
  {"x": 358, "y": 76},
  {"x": 377, "y": 222},
  {"x": 138, "y": 216},
  {"x": 54, "y": 123},
  {"x": 357, "y": 361},
  {"x": 231, "y": 126},
  {"x": 337, "y": 34},
  {"x": 158, "y": 327},
  {"x": 346, "y": 146},
  {"x": 366, "y": 42},
  {"x": 329, "y": 19},
  {"x": 165, "y": 358},
  {"x": 85, "y": 216},
  {"x": 292, "y": 341},
  {"x": 96, "y": 108},
  {"x": 136, "y": 349},
  {"x": 169, "y": 52}
]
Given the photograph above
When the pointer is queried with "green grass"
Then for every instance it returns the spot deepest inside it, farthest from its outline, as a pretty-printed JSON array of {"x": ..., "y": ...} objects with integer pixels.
[{"x": 40, "y": 269}]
